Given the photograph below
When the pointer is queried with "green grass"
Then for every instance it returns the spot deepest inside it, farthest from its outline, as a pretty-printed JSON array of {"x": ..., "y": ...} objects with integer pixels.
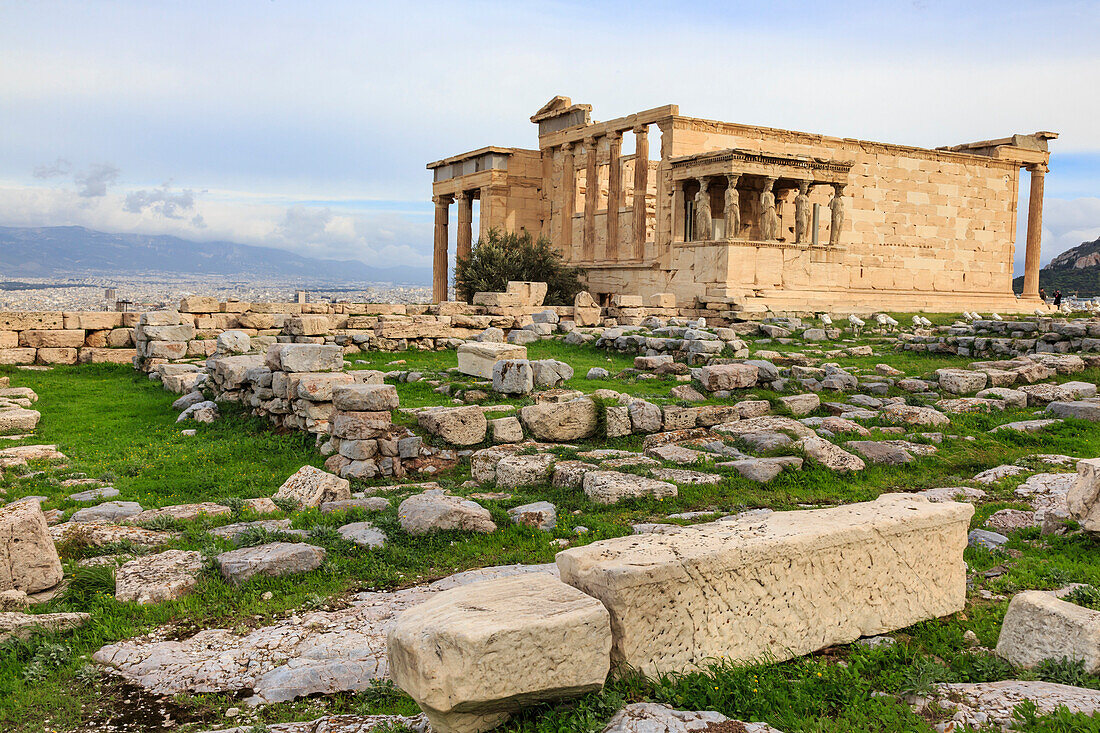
[{"x": 119, "y": 426}]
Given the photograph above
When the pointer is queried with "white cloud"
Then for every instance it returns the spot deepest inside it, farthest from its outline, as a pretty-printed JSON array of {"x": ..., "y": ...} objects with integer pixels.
[
  {"x": 93, "y": 182},
  {"x": 162, "y": 201},
  {"x": 59, "y": 167},
  {"x": 378, "y": 238}
]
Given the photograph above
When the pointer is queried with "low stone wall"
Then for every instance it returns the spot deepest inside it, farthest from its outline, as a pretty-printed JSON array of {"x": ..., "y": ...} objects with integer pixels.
[
  {"x": 1009, "y": 338},
  {"x": 303, "y": 387},
  {"x": 58, "y": 337}
]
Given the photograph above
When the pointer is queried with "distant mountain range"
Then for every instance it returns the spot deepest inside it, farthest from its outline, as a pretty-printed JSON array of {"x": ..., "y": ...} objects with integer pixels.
[
  {"x": 41, "y": 252},
  {"x": 1075, "y": 271}
]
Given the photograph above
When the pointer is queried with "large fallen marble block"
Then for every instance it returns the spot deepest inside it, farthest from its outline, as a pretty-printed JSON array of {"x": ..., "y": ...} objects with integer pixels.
[
  {"x": 783, "y": 584},
  {"x": 1040, "y": 626},
  {"x": 473, "y": 655}
]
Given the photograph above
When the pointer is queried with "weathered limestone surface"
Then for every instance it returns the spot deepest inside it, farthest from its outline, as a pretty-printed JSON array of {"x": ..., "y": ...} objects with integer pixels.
[
  {"x": 22, "y": 625},
  {"x": 311, "y": 487},
  {"x": 477, "y": 358},
  {"x": 341, "y": 724},
  {"x": 456, "y": 425},
  {"x": 434, "y": 510},
  {"x": 274, "y": 558},
  {"x": 472, "y": 655},
  {"x": 1040, "y": 626},
  {"x": 161, "y": 577},
  {"x": 784, "y": 584},
  {"x": 1083, "y": 498},
  {"x": 652, "y": 717},
  {"x": 609, "y": 487},
  {"x": 981, "y": 704},
  {"x": 314, "y": 652},
  {"x": 564, "y": 421},
  {"x": 28, "y": 559}
]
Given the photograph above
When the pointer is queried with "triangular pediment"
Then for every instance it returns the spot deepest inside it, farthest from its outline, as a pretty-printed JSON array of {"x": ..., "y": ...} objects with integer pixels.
[{"x": 556, "y": 104}]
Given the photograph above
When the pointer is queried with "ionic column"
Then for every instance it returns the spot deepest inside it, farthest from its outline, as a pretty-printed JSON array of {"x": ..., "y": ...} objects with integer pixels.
[
  {"x": 591, "y": 199},
  {"x": 614, "y": 194},
  {"x": 569, "y": 197},
  {"x": 465, "y": 223},
  {"x": 1034, "y": 231},
  {"x": 641, "y": 186},
  {"x": 439, "y": 261}
]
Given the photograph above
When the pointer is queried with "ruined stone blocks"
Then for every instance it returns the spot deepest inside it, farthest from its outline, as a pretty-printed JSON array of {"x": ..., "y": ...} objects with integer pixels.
[
  {"x": 785, "y": 584},
  {"x": 472, "y": 655}
]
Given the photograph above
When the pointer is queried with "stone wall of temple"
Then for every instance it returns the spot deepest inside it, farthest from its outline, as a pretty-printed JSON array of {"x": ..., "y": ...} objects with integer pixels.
[
  {"x": 917, "y": 219},
  {"x": 900, "y": 227}
]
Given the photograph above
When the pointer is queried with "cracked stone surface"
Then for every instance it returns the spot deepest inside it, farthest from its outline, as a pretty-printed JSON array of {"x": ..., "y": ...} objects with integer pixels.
[
  {"x": 313, "y": 652},
  {"x": 1048, "y": 492},
  {"x": 987, "y": 703},
  {"x": 784, "y": 584},
  {"x": 651, "y": 717},
  {"x": 341, "y": 724}
]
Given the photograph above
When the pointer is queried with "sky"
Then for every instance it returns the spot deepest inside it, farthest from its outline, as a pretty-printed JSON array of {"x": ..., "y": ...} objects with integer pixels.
[{"x": 307, "y": 125}]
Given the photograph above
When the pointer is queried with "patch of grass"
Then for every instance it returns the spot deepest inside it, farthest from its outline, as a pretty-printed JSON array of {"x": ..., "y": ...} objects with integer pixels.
[{"x": 114, "y": 423}]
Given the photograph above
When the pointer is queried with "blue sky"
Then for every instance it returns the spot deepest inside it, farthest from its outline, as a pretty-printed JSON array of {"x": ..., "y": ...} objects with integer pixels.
[{"x": 306, "y": 125}]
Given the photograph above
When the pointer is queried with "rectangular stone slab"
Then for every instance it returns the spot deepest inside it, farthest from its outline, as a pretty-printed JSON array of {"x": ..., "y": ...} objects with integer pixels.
[
  {"x": 784, "y": 584},
  {"x": 476, "y": 358}
]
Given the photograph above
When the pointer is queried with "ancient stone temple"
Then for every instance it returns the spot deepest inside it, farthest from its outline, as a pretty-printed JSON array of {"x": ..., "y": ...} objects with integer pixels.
[{"x": 758, "y": 217}]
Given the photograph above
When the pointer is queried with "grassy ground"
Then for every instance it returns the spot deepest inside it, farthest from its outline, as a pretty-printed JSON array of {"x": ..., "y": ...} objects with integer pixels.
[{"x": 116, "y": 425}]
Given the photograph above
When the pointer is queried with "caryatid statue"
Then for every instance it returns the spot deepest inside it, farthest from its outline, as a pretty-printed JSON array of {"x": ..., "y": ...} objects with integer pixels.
[
  {"x": 733, "y": 207},
  {"x": 802, "y": 212},
  {"x": 703, "y": 222},
  {"x": 769, "y": 219},
  {"x": 836, "y": 209}
]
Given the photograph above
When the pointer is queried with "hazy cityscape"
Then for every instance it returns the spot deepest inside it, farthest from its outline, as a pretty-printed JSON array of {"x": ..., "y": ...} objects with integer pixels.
[{"x": 143, "y": 292}]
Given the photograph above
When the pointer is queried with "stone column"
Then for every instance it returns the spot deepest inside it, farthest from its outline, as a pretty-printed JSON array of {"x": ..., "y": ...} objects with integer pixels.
[
  {"x": 465, "y": 223},
  {"x": 769, "y": 220},
  {"x": 836, "y": 214},
  {"x": 439, "y": 262},
  {"x": 568, "y": 198},
  {"x": 704, "y": 221},
  {"x": 591, "y": 199},
  {"x": 732, "y": 207},
  {"x": 802, "y": 213},
  {"x": 641, "y": 186},
  {"x": 614, "y": 194},
  {"x": 1034, "y": 231}
]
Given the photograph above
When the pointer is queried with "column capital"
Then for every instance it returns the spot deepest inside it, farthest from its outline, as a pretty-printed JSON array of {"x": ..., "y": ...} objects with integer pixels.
[
  {"x": 567, "y": 147},
  {"x": 462, "y": 196},
  {"x": 1039, "y": 168},
  {"x": 641, "y": 130},
  {"x": 590, "y": 142},
  {"x": 614, "y": 136},
  {"x": 733, "y": 178},
  {"x": 443, "y": 199}
]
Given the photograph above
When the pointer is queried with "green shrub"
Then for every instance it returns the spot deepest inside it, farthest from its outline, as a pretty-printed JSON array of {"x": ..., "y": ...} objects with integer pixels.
[
  {"x": 1084, "y": 595},
  {"x": 501, "y": 257}
]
